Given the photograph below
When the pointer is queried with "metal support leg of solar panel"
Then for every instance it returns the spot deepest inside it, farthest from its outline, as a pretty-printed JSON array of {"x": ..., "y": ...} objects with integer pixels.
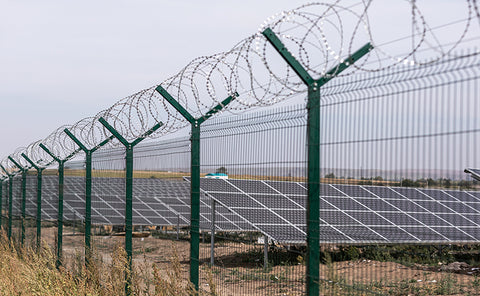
[
  {"x": 10, "y": 198},
  {"x": 61, "y": 163},
  {"x": 88, "y": 189},
  {"x": 128, "y": 189},
  {"x": 195, "y": 176},
  {"x": 24, "y": 197},
  {"x": 313, "y": 142},
  {"x": 39, "y": 200}
]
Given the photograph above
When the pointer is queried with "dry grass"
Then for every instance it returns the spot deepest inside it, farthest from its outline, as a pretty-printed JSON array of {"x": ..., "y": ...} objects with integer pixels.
[{"x": 23, "y": 271}]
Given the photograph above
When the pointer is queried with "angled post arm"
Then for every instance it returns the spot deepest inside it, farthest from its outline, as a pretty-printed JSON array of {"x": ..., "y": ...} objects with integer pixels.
[
  {"x": 17, "y": 164},
  {"x": 175, "y": 104},
  {"x": 147, "y": 133},
  {"x": 113, "y": 131},
  {"x": 217, "y": 108},
  {"x": 49, "y": 152}
]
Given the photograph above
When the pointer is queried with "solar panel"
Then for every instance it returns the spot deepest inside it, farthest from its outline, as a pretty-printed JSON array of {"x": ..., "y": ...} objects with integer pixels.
[{"x": 352, "y": 213}]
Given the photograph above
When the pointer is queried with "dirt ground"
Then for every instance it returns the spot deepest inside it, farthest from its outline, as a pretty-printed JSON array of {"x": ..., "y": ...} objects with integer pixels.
[{"x": 233, "y": 274}]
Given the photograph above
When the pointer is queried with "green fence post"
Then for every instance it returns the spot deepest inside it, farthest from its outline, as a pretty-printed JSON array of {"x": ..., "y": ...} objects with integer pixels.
[
  {"x": 39, "y": 208},
  {"x": 61, "y": 164},
  {"x": 313, "y": 150},
  {"x": 195, "y": 177},
  {"x": 88, "y": 206},
  {"x": 10, "y": 207},
  {"x": 24, "y": 198},
  {"x": 195, "y": 206},
  {"x": 24, "y": 202},
  {"x": 38, "y": 219},
  {"x": 128, "y": 191},
  {"x": 10, "y": 199},
  {"x": 88, "y": 189},
  {"x": 61, "y": 171},
  {"x": 1, "y": 204}
]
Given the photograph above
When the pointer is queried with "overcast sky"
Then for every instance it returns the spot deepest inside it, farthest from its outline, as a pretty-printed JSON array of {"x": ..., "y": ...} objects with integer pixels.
[{"x": 61, "y": 61}]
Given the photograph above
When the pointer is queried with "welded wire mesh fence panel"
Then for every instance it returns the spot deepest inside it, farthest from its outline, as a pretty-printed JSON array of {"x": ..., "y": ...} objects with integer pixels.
[
  {"x": 251, "y": 202},
  {"x": 50, "y": 207},
  {"x": 31, "y": 210},
  {"x": 394, "y": 195},
  {"x": 16, "y": 208},
  {"x": 161, "y": 210},
  {"x": 108, "y": 202},
  {"x": 74, "y": 214}
]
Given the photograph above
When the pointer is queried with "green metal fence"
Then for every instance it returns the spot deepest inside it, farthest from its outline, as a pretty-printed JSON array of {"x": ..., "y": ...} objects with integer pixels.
[
  {"x": 396, "y": 129},
  {"x": 355, "y": 187}
]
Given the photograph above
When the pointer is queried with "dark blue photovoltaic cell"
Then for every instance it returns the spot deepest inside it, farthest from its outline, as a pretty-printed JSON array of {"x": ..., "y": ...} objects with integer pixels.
[
  {"x": 234, "y": 200},
  {"x": 345, "y": 203},
  {"x": 475, "y": 218},
  {"x": 251, "y": 186},
  {"x": 456, "y": 219},
  {"x": 463, "y": 196},
  {"x": 369, "y": 218},
  {"x": 406, "y": 205},
  {"x": 400, "y": 219},
  {"x": 329, "y": 190},
  {"x": 336, "y": 218},
  {"x": 361, "y": 233},
  {"x": 430, "y": 219},
  {"x": 352, "y": 190},
  {"x": 288, "y": 188},
  {"x": 411, "y": 193},
  {"x": 257, "y": 216},
  {"x": 275, "y": 201},
  {"x": 436, "y": 194},
  {"x": 393, "y": 233},
  {"x": 473, "y": 231},
  {"x": 433, "y": 206},
  {"x": 376, "y": 204},
  {"x": 425, "y": 233},
  {"x": 296, "y": 217},
  {"x": 453, "y": 234},
  {"x": 459, "y": 207},
  {"x": 330, "y": 234},
  {"x": 384, "y": 192}
]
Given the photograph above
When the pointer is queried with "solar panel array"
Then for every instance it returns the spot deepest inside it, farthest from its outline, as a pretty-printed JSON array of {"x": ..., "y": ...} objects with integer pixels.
[
  {"x": 348, "y": 213},
  {"x": 155, "y": 202},
  {"x": 353, "y": 213}
]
